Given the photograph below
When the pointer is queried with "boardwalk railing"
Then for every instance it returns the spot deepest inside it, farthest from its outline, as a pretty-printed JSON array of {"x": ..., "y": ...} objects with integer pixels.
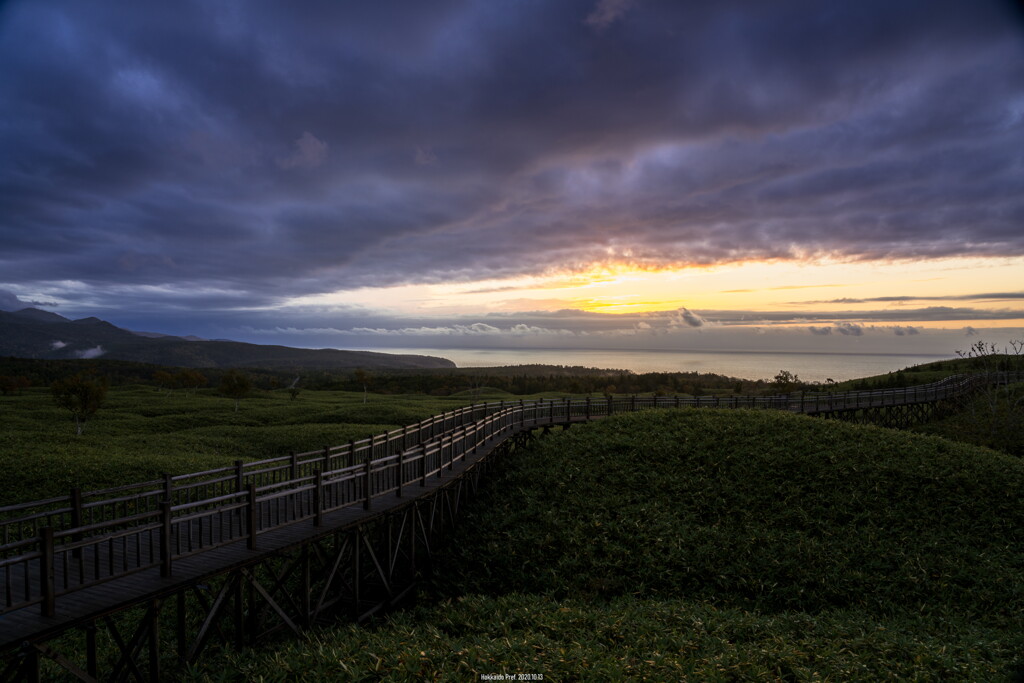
[{"x": 57, "y": 546}]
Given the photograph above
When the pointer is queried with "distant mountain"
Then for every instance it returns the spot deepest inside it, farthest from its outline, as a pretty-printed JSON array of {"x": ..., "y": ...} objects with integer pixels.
[
  {"x": 32, "y": 333},
  {"x": 41, "y": 316},
  {"x": 158, "y": 335}
]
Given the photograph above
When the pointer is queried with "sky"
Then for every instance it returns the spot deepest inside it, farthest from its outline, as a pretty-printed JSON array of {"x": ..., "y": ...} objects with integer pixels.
[{"x": 590, "y": 174}]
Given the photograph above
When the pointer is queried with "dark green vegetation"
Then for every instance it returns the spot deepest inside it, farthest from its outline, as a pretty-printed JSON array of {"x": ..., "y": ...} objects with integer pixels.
[
  {"x": 712, "y": 545},
  {"x": 701, "y": 544},
  {"x": 517, "y": 380},
  {"x": 80, "y": 394},
  {"x": 142, "y": 431},
  {"x": 933, "y": 372},
  {"x": 992, "y": 418},
  {"x": 32, "y": 333}
]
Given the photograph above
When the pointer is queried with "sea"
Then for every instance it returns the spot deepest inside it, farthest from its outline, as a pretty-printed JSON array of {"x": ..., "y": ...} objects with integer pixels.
[{"x": 809, "y": 367}]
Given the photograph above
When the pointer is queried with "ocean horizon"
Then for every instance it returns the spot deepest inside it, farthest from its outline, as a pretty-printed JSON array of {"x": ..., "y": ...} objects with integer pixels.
[{"x": 810, "y": 367}]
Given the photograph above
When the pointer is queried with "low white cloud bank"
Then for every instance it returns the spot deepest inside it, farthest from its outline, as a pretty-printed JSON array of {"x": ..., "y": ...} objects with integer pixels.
[
  {"x": 94, "y": 352},
  {"x": 474, "y": 330}
]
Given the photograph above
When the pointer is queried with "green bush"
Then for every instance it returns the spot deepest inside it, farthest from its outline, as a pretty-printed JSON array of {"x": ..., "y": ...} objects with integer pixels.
[
  {"x": 708, "y": 545},
  {"x": 754, "y": 510}
]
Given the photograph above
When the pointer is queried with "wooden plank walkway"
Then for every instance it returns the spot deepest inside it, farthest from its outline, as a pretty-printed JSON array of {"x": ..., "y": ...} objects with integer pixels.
[{"x": 112, "y": 596}]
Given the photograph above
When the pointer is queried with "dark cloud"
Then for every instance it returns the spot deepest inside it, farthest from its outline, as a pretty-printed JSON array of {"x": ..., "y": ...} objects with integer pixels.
[
  {"x": 997, "y": 296},
  {"x": 206, "y": 155}
]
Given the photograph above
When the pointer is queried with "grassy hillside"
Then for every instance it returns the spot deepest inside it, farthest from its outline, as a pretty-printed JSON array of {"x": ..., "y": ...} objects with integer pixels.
[
  {"x": 141, "y": 432},
  {"x": 711, "y": 546},
  {"x": 933, "y": 372}
]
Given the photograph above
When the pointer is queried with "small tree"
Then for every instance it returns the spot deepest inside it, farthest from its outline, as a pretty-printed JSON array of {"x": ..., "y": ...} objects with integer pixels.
[
  {"x": 82, "y": 395},
  {"x": 362, "y": 377},
  {"x": 785, "y": 382},
  {"x": 235, "y": 385}
]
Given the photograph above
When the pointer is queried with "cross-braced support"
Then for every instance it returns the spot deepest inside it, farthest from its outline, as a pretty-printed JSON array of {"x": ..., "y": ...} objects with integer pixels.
[{"x": 350, "y": 573}]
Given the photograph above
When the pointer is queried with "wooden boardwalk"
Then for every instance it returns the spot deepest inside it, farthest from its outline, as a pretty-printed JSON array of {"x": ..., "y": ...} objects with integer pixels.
[{"x": 72, "y": 561}]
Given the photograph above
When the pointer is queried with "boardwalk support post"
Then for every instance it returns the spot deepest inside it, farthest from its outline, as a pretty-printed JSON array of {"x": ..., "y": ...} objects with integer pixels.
[
  {"x": 91, "y": 663},
  {"x": 239, "y": 476}
]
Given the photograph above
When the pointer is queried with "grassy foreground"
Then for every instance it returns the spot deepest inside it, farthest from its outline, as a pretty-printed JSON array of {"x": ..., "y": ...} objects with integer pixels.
[{"x": 709, "y": 545}]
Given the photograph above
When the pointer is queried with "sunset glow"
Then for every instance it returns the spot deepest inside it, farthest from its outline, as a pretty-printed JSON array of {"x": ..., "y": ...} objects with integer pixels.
[{"x": 670, "y": 176}]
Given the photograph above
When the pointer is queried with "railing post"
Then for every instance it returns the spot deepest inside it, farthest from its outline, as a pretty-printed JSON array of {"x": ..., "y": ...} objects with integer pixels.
[
  {"x": 801, "y": 401},
  {"x": 632, "y": 404},
  {"x": 46, "y": 584},
  {"x": 451, "y": 453},
  {"x": 250, "y": 516},
  {"x": 367, "y": 467},
  {"x": 440, "y": 453},
  {"x": 327, "y": 459},
  {"x": 239, "y": 476},
  {"x": 611, "y": 405},
  {"x": 293, "y": 467},
  {"x": 165, "y": 538},
  {"x": 588, "y": 408},
  {"x": 168, "y": 488},
  {"x": 401, "y": 473},
  {"x": 423, "y": 465},
  {"x": 76, "y": 518},
  {"x": 318, "y": 497},
  {"x": 351, "y": 452}
]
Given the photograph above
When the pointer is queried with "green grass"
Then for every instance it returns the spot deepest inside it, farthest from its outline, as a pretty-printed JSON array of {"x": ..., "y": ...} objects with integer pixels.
[
  {"x": 993, "y": 418},
  {"x": 711, "y": 545},
  {"x": 700, "y": 545},
  {"x": 630, "y": 639},
  {"x": 139, "y": 433},
  {"x": 926, "y": 373}
]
